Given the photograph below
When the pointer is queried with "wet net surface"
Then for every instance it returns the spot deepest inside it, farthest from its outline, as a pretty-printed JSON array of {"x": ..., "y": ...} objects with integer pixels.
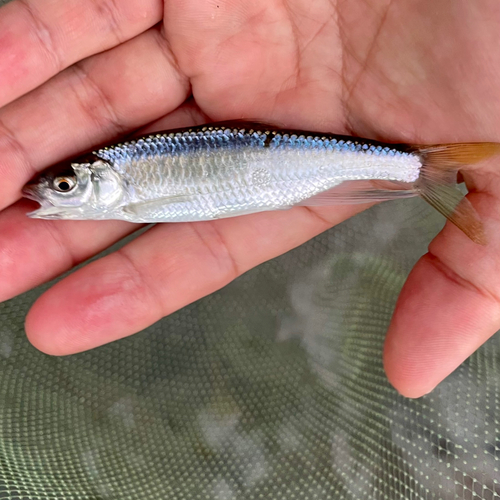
[{"x": 272, "y": 388}]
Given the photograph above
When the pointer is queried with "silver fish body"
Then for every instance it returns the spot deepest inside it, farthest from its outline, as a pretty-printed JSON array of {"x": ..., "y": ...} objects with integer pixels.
[
  {"x": 221, "y": 171},
  {"x": 225, "y": 170},
  {"x": 212, "y": 172}
]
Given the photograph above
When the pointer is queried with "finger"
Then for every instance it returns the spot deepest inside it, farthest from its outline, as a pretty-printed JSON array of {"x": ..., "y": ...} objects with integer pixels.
[
  {"x": 448, "y": 307},
  {"x": 33, "y": 251},
  {"x": 163, "y": 270},
  {"x": 85, "y": 105},
  {"x": 39, "y": 39},
  {"x": 187, "y": 115}
]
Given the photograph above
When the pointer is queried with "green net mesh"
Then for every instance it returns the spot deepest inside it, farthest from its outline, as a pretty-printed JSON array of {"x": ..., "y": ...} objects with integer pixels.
[{"x": 272, "y": 388}]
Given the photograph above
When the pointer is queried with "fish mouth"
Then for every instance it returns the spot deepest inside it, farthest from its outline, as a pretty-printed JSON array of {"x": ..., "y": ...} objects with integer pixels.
[
  {"x": 46, "y": 209},
  {"x": 32, "y": 192}
]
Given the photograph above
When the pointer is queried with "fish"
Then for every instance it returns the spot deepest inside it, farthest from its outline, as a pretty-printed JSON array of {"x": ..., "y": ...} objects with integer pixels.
[{"x": 230, "y": 169}]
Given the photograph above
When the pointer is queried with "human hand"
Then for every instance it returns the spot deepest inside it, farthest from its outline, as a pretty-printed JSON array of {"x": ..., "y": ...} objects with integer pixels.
[{"x": 75, "y": 74}]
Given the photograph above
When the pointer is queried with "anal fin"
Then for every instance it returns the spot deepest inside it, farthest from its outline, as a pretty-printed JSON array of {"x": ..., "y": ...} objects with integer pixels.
[{"x": 357, "y": 192}]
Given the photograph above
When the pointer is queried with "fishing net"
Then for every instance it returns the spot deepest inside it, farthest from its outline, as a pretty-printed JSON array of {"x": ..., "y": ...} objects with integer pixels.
[{"x": 272, "y": 388}]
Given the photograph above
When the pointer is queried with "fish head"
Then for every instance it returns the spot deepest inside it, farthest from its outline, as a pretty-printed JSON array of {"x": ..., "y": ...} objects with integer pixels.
[{"x": 85, "y": 189}]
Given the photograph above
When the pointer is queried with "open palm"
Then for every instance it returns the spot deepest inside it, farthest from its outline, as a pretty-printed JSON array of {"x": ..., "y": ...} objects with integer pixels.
[{"x": 76, "y": 73}]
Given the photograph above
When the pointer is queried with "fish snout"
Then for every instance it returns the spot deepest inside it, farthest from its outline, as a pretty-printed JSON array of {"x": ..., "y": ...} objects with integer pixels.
[{"x": 33, "y": 191}]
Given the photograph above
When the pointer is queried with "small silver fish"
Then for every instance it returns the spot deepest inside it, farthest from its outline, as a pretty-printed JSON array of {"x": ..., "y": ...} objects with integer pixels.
[{"x": 230, "y": 169}]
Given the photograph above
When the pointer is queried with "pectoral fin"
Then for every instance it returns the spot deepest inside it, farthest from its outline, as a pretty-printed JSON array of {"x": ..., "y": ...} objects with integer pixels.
[{"x": 150, "y": 209}]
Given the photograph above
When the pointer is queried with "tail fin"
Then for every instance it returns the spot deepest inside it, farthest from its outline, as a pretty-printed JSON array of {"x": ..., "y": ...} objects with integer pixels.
[
  {"x": 438, "y": 177},
  {"x": 437, "y": 184}
]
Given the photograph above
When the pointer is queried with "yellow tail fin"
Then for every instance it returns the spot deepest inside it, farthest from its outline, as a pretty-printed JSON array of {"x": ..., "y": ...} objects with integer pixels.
[{"x": 438, "y": 177}]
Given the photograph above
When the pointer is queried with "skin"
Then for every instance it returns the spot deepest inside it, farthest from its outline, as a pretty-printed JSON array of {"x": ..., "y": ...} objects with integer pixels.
[{"x": 77, "y": 73}]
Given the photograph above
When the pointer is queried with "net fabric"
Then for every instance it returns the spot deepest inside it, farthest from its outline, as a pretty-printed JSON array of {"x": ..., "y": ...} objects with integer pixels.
[{"x": 271, "y": 388}]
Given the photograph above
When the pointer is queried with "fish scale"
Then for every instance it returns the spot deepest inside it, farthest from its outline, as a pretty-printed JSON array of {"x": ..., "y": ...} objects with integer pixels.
[{"x": 220, "y": 169}]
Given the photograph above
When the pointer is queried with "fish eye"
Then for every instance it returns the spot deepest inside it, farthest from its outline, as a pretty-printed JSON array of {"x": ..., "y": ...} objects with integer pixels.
[{"x": 64, "y": 184}]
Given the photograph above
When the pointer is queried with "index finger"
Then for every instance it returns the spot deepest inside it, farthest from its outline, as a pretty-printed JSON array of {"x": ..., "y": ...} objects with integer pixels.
[{"x": 39, "y": 39}]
